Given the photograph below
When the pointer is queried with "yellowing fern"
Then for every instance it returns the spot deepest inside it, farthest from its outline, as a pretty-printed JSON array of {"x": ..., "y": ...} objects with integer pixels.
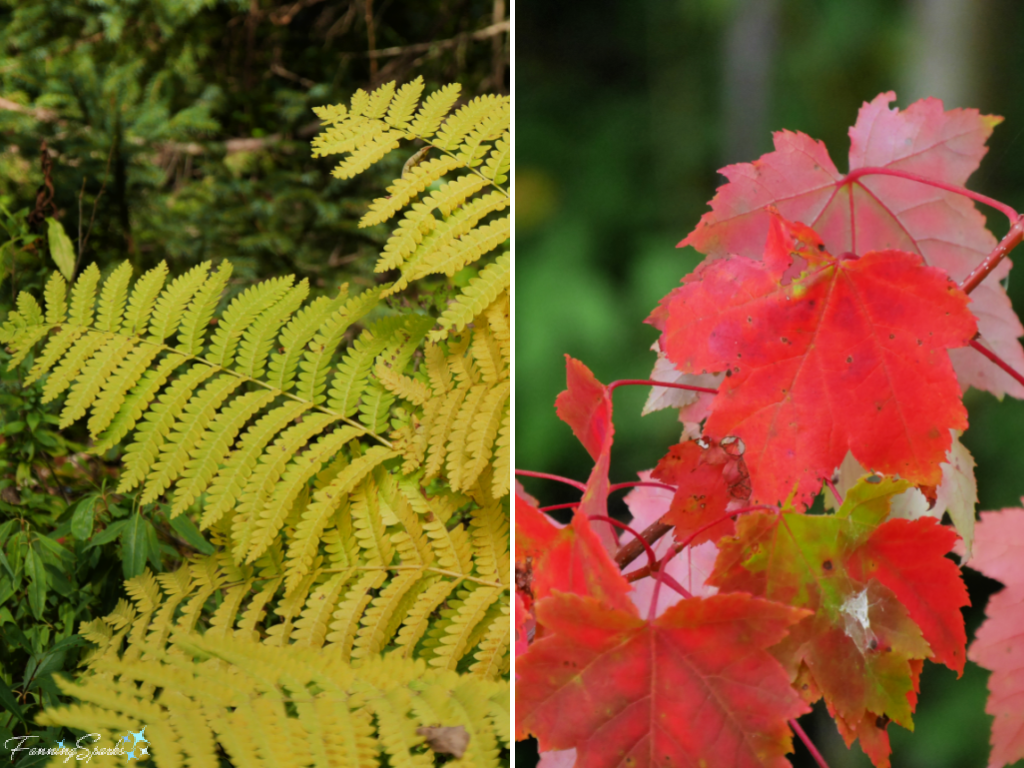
[
  {"x": 260, "y": 705},
  {"x": 349, "y": 461}
]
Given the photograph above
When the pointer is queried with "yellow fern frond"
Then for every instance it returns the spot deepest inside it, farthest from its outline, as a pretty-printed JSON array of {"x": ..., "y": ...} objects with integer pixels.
[{"x": 481, "y": 291}]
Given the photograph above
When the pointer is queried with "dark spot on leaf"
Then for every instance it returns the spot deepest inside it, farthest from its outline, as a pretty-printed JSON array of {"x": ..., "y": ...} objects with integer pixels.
[
  {"x": 874, "y": 479},
  {"x": 892, "y": 335},
  {"x": 882, "y": 720},
  {"x": 785, "y": 340},
  {"x": 849, "y": 359},
  {"x": 728, "y": 373},
  {"x": 827, "y": 565}
]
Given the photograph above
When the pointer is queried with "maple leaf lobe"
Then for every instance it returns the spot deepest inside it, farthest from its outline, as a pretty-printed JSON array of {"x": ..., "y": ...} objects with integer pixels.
[
  {"x": 696, "y": 684},
  {"x": 847, "y": 355}
]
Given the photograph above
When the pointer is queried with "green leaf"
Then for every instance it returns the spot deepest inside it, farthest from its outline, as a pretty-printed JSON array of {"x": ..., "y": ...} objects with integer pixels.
[
  {"x": 83, "y": 518},
  {"x": 61, "y": 250},
  {"x": 36, "y": 573},
  {"x": 134, "y": 547},
  {"x": 6, "y": 564},
  {"x": 185, "y": 528},
  {"x": 108, "y": 534},
  {"x": 9, "y": 701}
]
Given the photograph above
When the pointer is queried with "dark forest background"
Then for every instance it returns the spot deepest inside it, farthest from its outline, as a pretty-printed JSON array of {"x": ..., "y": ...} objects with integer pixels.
[{"x": 625, "y": 112}]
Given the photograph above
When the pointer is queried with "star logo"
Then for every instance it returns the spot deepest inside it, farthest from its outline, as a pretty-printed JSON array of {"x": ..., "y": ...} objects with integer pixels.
[{"x": 137, "y": 736}]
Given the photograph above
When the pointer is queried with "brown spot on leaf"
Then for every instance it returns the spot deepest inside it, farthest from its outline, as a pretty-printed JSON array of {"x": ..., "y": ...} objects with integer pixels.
[{"x": 446, "y": 740}]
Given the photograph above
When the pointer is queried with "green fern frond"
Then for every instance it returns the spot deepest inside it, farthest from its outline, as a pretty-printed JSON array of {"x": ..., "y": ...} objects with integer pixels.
[
  {"x": 241, "y": 313},
  {"x": 143, "y": 298},
  {"x": 194, "y": 323},
  {"x": 55, "y": 296},
  {"x": 170, "y": 306},
  {"x": 83, "y": 294},
  {"x": 113, "y": 298}
]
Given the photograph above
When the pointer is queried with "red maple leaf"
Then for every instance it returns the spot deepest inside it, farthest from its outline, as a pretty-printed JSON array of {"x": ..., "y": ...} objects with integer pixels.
[
  {"x": 862, "y": 213},
  {"x": 850, "y": 354},
  {"x": 693, "y": 687},
  {"x": 999, "y": 642},
  {"x": 570, "y": 559},
  {"x": 707, "y": 477},
  {"x": 861, "y": 648},
  {"x": 586, "y": 406}
]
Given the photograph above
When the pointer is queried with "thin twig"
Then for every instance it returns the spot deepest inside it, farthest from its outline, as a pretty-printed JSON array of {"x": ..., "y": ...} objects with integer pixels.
[
  {"x": 498, "y": 49},
  {"x": 92, "y": 218},
  {"x": 631, "y": 551},
  {"x": 680, "y": 546},
  {"x": 481, "y": 34},
  {"x": 835, "y": 492},
  {"x": 640, "y": 484},
  {"x": 545, "y": 476},
  {"x": 997, "y": 360},
  {"x": 371, "y": 37},
  {"x": 652, "y": 383},
  {"x": 818, "y": 758},
  {"x": 1007, "y": 244}
]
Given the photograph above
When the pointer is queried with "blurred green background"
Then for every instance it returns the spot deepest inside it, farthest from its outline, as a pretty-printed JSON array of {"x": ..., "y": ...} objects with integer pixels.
[{"x": 626, "y": 111}]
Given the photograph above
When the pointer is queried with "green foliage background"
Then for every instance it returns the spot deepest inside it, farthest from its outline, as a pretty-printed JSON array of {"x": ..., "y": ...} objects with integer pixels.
[
  {"x": 621, "y": 130},
  {"x": 177, "y": 130}
]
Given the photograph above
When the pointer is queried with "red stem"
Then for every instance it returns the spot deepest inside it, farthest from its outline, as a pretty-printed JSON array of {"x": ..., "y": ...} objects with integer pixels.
[
  {"x": 652, "y": 383},
  {"x": 996, "y": 359},
  {"x": 1007, "y": 244},
  {"x": 545, "y": 476},
  {"x": 640, "y": 484},
  {"x": 652, "y": 558},
  {"x": 642, "y": 572},
  {"x": 652, "y": 564},
  {"x": 686, "y": 542},
  {"x": 631, "y": 551},
  {"x": 553, "y": 507},
  {"x": 1007, "y": 210},
  {"x": 818, "y": 758},
  {"x": 839, "y": 499}
]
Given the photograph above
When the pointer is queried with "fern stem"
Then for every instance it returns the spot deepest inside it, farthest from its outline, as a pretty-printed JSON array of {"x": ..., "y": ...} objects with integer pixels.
[
  {"x": 452, "y": 155},
  {"x": 1003, "y": 208},
  {"x": 429, "y": 569},
  {"x": 276, "y": 390}
]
